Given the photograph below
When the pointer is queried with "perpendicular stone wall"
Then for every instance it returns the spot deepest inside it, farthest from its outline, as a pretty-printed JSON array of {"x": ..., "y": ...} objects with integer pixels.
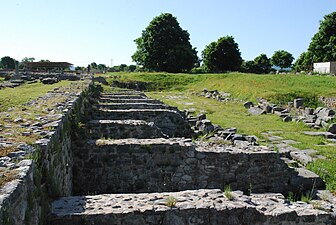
[
  {"x": 171, "y": 122},
  {"x": 133, "y": 166},
  {"x": 119, "y": 129}
]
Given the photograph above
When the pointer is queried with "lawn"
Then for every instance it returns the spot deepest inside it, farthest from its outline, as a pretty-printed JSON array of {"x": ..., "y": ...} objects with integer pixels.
[{"x": 10, "y": 97}]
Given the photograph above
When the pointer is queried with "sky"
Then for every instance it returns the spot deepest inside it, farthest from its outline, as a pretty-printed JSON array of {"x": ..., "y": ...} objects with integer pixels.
[{"x": 103, "y": 31}]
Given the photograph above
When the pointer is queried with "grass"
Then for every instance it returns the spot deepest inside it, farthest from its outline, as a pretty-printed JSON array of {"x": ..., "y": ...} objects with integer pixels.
[
  {"x": 11, "y": 128},
  {"x": 277, "y": 88},
  {"x": 228, "y": 193},
  {"x": 10, "y": 97},
  {"x": 180, "y": 90},
  {"x": 171, "y": 201}
]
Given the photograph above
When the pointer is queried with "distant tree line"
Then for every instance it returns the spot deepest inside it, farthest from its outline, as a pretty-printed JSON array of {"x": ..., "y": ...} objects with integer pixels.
[
  {"x": 165, "y": 46},
  {"x": 8, "y": 63}
]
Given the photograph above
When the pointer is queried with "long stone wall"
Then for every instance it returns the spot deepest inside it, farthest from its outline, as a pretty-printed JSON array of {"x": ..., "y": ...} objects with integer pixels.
[
  {"x": 199, "y": 207},
  {"x": 176, "y": 165},
  {"x": 44, "y": 170}
]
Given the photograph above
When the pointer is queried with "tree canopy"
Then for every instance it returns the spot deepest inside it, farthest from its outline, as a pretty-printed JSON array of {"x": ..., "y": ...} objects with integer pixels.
[
  {"x": 222, "y": 55},
  {"x": 7, "y": 62},
  {"x": 323, "y": 44},
  {"x": 165, "y": 46},
  {"x": 261, "y": 65},
  {"x": 282, "y": 59}
]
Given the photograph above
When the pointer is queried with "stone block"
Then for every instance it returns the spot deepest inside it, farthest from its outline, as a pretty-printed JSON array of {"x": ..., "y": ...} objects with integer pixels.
[
  {"x": 332, "y": 128},
  {"x": 256, "y": 111},
  {"x": 248, "y": 105},
  {"x": 298, "y": 103}
]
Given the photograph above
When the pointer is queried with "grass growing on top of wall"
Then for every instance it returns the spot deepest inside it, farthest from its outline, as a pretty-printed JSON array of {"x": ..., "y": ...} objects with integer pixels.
[{"x": 10, "y": 97}]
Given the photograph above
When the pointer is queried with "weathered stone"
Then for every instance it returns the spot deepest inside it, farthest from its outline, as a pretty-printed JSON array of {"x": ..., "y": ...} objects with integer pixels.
[
  {"x": 202, "y": 206},
  {"x": 287, "y": 119},
  {"x": 332, "y": 128},
  {"x": 256, "y": 111},
  {"x": 248, "y": 105},
  {"x": 298, "y": 103}
]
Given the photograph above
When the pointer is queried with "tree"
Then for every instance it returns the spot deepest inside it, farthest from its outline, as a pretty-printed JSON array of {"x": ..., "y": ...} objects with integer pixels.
[
  {"x": 282, "y": 59},
  {"x": 44, "y": 60},
  {"x": 262, "y": 64},
  {"x": 132, "y": 68},
  {"x": 122, "y": 67},
  {"x": 28, "y": 59},
  {"x": 93, "y": 65},
  {"x": 248, "y": 66},
  {"x": 304, "y": 62},
  {"x": 101, "y": 67},
  {"x": 323, "y": 44},
  {"x": 222, "y": 55},
  {"x": 165, "y": 46},
  {"x": 7, "y": 63}
]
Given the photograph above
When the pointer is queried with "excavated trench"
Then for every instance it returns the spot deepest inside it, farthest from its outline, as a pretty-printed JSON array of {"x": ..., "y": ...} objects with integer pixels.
[{"x": 134, "y": 163}]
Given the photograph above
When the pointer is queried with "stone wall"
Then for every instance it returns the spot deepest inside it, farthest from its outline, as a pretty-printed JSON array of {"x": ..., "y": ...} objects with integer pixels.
[
  {"x": 201, "y": 207},
  {"x": 44, "y": 170},
  {"x": 175, "y": 165},
  {"x": 171, "y": 122}
]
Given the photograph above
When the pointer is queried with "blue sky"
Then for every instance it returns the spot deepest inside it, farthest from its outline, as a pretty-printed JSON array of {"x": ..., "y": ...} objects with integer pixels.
[{"x": 83, "y": 31}]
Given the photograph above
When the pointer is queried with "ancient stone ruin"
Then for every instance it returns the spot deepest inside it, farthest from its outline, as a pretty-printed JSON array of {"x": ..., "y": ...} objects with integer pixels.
[{"x": 129, "y": 159}]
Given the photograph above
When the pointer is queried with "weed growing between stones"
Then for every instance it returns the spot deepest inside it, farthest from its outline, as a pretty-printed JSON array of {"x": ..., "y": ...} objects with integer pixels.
[
  {"x": 306, "y": 198},
  {"x": 291, "y": 197},
  {"x": 228, "y": 192},
  {"x": 171, "y": 201}
]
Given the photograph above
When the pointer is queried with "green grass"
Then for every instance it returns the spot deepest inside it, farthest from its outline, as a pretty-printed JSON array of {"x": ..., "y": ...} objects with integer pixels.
[
  {"x": 275, "y": 88},
  {"x": 10, "y": 97}
]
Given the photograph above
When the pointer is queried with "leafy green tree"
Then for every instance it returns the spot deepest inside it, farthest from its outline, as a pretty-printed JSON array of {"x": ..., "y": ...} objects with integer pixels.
[
  {"x": 132, "y": 68},
  {"x": 28, "y": 59},
  {"x": 248, "y": 66},
  {"x": 323, "y": 44},
  {"x": 93, "y": 65},
  {"x": 101, "y": 67},
  {"x": 222, "y": 55},
  {"x": 165, "y": 46},
  {"x": 7, "y": 62},
  {"x": 123, "y": 67},
  {"x": 282, "y": 59},
  {"x": 304, "y": 62},
  {"x": 262, "y": 64}
]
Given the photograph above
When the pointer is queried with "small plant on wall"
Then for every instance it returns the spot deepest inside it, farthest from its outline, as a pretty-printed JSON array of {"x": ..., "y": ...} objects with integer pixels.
[{"x": 171, "y": 201}]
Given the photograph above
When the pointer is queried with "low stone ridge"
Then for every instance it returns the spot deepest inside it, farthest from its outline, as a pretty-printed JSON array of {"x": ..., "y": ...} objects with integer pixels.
[
  {"x": 112, "y": 106},
  {"x": 121, "y": 96},
  {"x": 119, "y": 129},
  {"x": 201, "y": 206},
  {"x": 139, "y": 100},
  {"x": 171, "y": 122}
]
